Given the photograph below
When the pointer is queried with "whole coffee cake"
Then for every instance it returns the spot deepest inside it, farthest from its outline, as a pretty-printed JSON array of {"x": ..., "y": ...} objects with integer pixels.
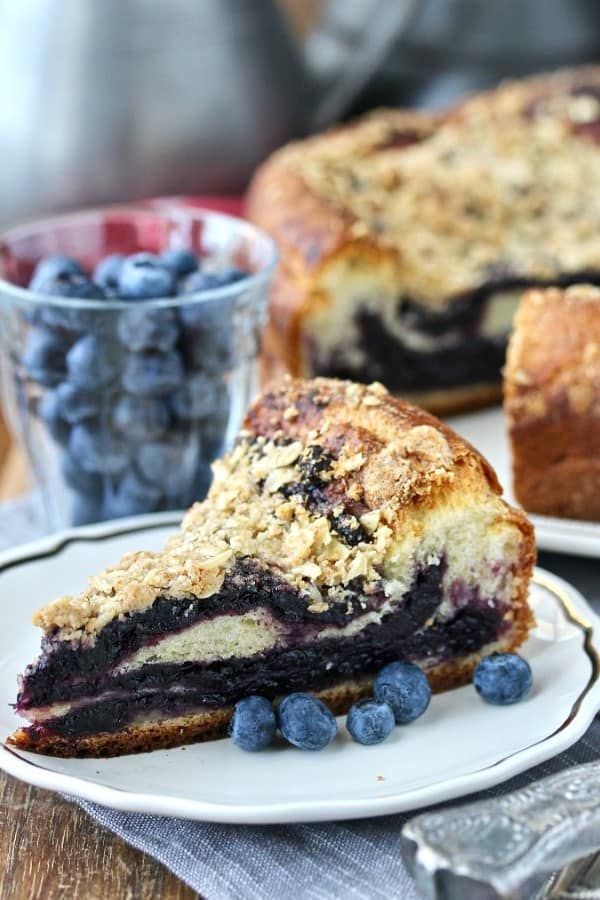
[{"x": 407, "y": 238}]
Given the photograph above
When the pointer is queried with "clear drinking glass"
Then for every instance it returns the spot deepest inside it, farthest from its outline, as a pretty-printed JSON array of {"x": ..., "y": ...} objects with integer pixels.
[{"x": 169, "y": 379}]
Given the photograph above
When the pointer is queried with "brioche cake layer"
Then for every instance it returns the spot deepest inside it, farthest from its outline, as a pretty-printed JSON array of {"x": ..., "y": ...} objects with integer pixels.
[
  {"x": 407, "y": 238},
  {"x": 345, "y": 530}
]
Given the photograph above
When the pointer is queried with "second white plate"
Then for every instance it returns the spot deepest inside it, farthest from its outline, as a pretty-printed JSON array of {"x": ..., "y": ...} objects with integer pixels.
[{"x": 486, "y": 430}]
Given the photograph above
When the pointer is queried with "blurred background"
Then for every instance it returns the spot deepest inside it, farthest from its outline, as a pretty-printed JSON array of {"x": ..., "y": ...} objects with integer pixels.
[{"x": 121, "y": 100}]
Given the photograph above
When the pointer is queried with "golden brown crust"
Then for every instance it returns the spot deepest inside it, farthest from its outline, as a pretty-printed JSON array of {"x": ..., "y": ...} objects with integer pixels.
[
  {"x": 552, "y": 402},
  {"x": 476, "y": 190},
  {"x": 210, "y": 725}
]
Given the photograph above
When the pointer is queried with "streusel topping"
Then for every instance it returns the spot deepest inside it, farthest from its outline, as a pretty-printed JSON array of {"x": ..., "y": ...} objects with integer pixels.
[
  {"x": 315, "y": 488},
  {"x": 503, "y": 179}
]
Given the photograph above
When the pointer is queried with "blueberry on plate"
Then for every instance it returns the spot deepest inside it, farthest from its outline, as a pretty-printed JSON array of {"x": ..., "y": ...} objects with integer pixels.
[
  {"x": 132, "y": 497},
  {"x": 107, "y": 272},
  {"x": 197, "y": 398},
  {"x": 503, "y": 678},
  {"x": 50, "y": 411},
  {"x": 53, "y": 267},
  {"x": 254, "y": 724},
  {"x": 370, "y": 721},
  {"x": 75, "y": 403},
  {"x": 140, "y": 328},
  {"x": 96, "y": 450},
  {"x": 44, "y": 356},
  {"x": 405, "y": 688},
  {"x": 141, "y": 419},
  {"x": 92, "y": 362},
  {"x": 179, "y": 262},
  {"x": 144, "y": 277},
  {"x": 152, "y": 373},
  {"x": 306, "y": 722}
]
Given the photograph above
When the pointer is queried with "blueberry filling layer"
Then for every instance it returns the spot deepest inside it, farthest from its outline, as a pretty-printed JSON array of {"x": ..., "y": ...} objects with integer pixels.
[
  {"x": 170, "y": 690},
  {"x": 468, "y": 356},
  {"x": 66, "y": 672}
]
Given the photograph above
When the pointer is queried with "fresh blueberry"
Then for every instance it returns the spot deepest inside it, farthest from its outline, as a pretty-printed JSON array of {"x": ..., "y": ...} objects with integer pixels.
[
  {"x": 196, "y": 398},
  {"x": 306, "y": 722},
  {"x": 132, "y": 497},
  {"x": 107, "y": 272},
  {"x": 209, "y": 349},
  {"x": 141, "y": 419},
  {"x": 254, "y": 724},
  {"x": 405, "y": 688},
  {"x": 144, "y": 277},
  {"x": 53, "y": 267},
  {"x": 72, "y": 286},
  {"x": 179, "y": 262},
  {"x": 96, "y": 450},
  {"x": 140, "y": 328},
  {"x": 156, "y": 373},
  {"x": 195, "y": 489},
  {"x": 503, "y": 678},
  {"x": 44, "y": 356},
  {"x": 170, "y": 464},
  {"x": 89, "y": 483},
  {"x": 370, "y": 721},
  {"x": 210, "y": 281},
  {"x": 85, "y": 509},
  {"x": 92, "y": 362},
  {"x": 75, "y": 403},
  {"x": 50, "y": 410}
]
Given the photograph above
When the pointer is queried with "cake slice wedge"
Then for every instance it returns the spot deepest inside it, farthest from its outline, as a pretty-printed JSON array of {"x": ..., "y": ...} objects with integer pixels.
[{"x": 346, "y": 529}]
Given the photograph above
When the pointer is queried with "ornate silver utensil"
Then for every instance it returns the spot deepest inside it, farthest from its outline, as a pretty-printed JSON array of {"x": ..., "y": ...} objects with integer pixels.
[{"x": 508, "y": 846}]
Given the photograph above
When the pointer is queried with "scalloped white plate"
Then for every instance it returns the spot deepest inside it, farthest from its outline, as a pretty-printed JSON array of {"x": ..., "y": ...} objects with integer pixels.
[
  {"x": 459, "y": 746},
  {"x": 486, "y": 430}
]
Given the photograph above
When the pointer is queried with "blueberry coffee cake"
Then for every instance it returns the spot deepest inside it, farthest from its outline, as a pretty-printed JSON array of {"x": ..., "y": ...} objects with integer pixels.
[
  {"x": 345, "y": 530},
  {"x": 552, "y": 402},
  {"x": 407, "y": 238}
]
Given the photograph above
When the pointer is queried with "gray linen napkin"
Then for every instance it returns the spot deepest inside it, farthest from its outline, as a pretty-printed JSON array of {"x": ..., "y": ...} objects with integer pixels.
[{"x": 354, "y": 859}]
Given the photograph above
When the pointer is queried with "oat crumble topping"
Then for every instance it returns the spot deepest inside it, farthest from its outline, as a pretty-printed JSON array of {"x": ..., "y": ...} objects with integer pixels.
[
  {"x": 321, "y": 518},
  {"x": 509, "y": 176}
]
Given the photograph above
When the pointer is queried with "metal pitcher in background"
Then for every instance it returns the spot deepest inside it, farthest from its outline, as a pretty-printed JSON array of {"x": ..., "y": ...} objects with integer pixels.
[
  {"x": 116, "y": 100},
  {"x": 105, "y": 100}
]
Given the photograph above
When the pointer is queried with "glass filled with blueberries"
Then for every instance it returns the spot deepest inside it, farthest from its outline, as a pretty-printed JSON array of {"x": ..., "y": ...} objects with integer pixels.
[{"x": 130, "y": 342}]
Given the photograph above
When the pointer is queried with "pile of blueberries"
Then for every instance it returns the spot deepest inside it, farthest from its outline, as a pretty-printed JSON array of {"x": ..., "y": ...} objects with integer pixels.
[
  {"x": 136, "y": 398},
  {"x": 401, "y": 694}
]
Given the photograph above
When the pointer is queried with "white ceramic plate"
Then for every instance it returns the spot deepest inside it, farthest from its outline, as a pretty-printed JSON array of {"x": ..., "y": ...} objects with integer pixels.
[
  {"x": 486, "y": 430},
  {"x": 460, "y": 745}
]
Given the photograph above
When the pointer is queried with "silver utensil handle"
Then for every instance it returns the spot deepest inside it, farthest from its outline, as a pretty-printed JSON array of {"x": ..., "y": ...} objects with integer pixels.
[{"x": 507, "y": 846}]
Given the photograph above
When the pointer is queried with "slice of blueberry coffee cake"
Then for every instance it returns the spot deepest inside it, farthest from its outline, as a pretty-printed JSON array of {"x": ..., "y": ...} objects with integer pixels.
[{"x": 345, "y": 530}]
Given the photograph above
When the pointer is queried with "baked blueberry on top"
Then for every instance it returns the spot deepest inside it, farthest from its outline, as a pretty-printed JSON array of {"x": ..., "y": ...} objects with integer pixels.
[{"x": 345, "y": 531}]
